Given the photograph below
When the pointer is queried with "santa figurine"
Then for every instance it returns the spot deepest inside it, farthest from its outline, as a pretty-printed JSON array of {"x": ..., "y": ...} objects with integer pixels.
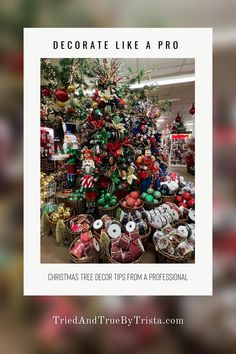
[
  {"x": 147, "y": 166},
  {"x": 88, "y": 178}
]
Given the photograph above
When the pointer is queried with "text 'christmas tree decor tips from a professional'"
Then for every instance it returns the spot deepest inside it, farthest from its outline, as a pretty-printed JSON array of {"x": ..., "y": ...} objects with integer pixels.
[{"x": 117, "y": 163}]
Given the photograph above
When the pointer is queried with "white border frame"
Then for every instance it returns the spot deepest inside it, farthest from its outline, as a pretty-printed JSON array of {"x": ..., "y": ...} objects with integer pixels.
[{"x": 193, "y": 43}]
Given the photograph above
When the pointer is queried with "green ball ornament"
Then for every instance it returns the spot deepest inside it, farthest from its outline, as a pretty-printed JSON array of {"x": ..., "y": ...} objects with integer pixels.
[
  {"x": 98, "y": 113},
  {"x": 150, "y": 191},
  {"x": 143, "y": 195},
  {"x": 106, "y": 206},
  {"x": 149, "y": 198},
  {"x": 157, "y": 195},
  {"x": 113, "y": 202},
  {"x": 155, "y": 201},
  {"x": 101, "y": 202}
]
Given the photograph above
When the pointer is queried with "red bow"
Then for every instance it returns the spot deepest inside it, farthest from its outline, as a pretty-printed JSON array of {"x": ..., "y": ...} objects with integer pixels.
[
  {"x": 126, "y": 141},
  {"x": 98, "y": 159},
  {"x": 114, "y": 148}
]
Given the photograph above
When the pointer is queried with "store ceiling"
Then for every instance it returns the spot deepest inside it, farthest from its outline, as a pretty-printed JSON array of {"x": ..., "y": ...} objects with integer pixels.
[{"x": 182, "y": 94}]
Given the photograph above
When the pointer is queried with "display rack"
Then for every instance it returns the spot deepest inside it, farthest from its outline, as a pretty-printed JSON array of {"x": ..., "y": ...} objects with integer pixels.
[{"x": 178, "y": 148}]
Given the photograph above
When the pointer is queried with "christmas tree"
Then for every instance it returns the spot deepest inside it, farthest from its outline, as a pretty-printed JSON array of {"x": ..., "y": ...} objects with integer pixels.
[
  {"x": 111, "y": 123},
  {"x": 105, "y": 135},
  {"x": 177, "y": 125},
  {"x": 62, "y": 95},
  {"x": 60, "y": 232},
  {"x": 45, "y": 226}
]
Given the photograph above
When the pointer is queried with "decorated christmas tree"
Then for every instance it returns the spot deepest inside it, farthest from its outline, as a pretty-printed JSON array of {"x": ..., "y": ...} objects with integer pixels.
[
  {"x": 111, "y": 130},
  {"x": 105, "y": 136},
  {"x": 62, "y": 91},
  {"x": 146, "y": 136},
  {"x": 177, "y": 125}
]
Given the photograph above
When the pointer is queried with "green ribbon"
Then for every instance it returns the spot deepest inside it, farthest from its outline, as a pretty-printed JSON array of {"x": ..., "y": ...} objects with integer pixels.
[
  {"x": 103, "y": 136},
  {"x": 115, "y": 177}
]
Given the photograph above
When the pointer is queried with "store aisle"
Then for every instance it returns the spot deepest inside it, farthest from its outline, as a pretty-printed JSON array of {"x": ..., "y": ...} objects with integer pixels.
[{"x": 182, "y": 171}]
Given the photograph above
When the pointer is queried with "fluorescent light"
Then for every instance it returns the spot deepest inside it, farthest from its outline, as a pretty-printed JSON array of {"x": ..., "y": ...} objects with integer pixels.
[{"x": 166, "y": 81}]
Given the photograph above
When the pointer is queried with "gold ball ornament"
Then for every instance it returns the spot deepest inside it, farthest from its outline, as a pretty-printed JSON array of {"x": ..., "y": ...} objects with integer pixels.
[
  {"x": 60, "y": 104},
  {"x": 66, "y": 214},
  {"x": 95, "y": 104},
  {"x": 71, "y": 88},
  {"x": 60, "y": 209},
  {"x": 139, "y": 159},
  {"x": 57, "y": 215},
  {"x": 54, "y": 217}
]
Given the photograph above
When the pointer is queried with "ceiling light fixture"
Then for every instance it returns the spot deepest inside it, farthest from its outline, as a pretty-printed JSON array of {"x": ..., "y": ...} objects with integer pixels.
[{"x": 166, "y": 81}]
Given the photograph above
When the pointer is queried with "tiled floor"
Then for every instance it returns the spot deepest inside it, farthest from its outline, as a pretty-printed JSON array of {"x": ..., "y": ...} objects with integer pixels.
[{"x": 182, "y": 171}]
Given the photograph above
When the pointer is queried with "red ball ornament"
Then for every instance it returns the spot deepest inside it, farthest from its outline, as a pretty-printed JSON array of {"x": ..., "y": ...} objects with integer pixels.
[
  {"x": 134, "y": 195},
  {"x": 70, "y": 110},
  {"x": 61, "y": 95},
  {"x": 122, "y": 102},
  {"x": 190, "y": 203},
  {"x": 186, "y": 196},
  {"x": 178, "y": 118},
  {"x": 178, "y": 199},
  {"x": 46, "y": 92},
  {"x": 104, "y": 182},
  {"x": 123, "y": 203},
  {"x": 130, "y": 202},
  {"x": 183, "y": 205},
  {"x": 192, "y": 109},
  {"x": 138, "y": 202}
]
